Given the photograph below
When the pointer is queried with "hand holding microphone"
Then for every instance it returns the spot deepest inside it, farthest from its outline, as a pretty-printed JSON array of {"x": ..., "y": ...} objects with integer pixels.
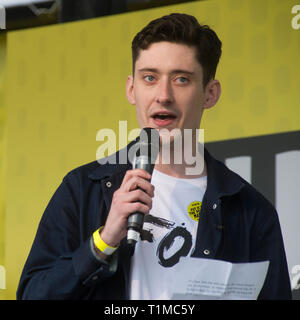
[
  {"x": 144, "y": 159},
  {"x": 134, "y": 197}
]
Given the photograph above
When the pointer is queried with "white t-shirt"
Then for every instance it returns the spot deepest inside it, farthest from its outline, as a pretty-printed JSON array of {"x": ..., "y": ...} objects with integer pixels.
[{"x": 168, "y": 235}]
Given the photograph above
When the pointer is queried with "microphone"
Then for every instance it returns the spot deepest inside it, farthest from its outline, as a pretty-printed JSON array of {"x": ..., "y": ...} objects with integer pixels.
[{"x": 145, "y": 157}]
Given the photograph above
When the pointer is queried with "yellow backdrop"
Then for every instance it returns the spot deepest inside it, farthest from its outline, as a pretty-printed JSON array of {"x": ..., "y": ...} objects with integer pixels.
[{"x": 60, "y": 84}]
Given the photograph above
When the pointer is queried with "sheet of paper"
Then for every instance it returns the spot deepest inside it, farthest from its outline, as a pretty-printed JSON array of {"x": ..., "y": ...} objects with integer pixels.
[{"x": 207, "y": 279}]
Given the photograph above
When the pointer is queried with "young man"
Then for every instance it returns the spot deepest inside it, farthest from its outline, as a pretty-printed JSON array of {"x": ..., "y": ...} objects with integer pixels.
[{"x": 80, "y": 250}]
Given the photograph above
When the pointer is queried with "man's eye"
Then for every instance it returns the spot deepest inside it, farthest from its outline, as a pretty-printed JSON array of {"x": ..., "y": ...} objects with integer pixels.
[
  {"x": 182, "y": 80},
  {"x": 149, "y": 78}
]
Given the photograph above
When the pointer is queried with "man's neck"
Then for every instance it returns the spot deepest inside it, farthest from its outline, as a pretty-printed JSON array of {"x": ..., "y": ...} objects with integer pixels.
[
  {"x": 179, "y": 171},
  {"x": 183, "y": 169}
]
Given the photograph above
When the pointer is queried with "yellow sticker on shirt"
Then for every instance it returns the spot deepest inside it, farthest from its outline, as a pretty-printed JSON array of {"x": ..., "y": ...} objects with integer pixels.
[{"x": 194, "y": 209}]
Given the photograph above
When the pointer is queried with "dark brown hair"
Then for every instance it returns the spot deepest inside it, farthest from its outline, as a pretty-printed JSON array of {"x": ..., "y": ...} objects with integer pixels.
[{"x": 184, "y": 29}]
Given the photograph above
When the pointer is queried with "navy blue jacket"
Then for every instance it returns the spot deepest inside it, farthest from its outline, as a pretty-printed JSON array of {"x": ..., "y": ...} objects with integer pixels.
[{"x": 236, "y": 224}]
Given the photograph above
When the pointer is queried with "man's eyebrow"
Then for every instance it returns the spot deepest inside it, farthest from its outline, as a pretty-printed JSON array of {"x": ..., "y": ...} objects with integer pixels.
[{"x": 172, "y": 72}]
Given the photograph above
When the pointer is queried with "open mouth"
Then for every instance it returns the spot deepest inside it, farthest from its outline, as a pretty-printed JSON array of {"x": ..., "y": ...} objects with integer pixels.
[{"x": 163, "y": 118}]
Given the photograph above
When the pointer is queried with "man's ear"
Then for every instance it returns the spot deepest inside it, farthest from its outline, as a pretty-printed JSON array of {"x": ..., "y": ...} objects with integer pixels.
[
  {"x": 129, "y": 90},
  {"x": 212, "y": 93}
]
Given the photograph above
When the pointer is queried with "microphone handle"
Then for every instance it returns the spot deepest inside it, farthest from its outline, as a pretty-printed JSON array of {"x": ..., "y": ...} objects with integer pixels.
[
  {"x": 136, "y": 219},
  {"x": 134, "y": 227}
]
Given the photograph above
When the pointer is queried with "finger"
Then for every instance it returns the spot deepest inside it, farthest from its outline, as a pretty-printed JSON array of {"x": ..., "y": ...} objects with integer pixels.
[
  {"x": 121, "y": 199},
  {"x": 135, "y": 173},
  {"x": 138, "y": 195},
  {"x": 137, "y": 207},
  {"x": 137, "y": 182}
]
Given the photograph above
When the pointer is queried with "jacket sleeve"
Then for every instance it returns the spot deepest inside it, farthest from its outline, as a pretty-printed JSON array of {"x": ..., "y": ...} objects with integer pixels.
[
  {"x": 268, "y": 245},
  {"x": 62, "y": 265}
]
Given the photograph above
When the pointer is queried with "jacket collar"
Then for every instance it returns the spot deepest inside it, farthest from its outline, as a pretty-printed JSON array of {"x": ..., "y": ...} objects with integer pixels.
[
  {"x": 220, "y": 180},
  {"x": 111, "y": 165}
]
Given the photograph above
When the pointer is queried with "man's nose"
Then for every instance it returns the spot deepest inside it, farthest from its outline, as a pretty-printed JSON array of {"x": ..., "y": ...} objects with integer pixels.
[{"x": 164, "y": 93}]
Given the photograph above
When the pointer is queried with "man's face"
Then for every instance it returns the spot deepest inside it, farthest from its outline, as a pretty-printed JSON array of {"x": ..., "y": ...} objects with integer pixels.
[{"x": 167, "y": 87}]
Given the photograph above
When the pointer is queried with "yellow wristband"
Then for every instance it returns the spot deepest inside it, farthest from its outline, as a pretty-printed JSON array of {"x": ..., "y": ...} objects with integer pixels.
[{"x": 101, "y": 245}]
